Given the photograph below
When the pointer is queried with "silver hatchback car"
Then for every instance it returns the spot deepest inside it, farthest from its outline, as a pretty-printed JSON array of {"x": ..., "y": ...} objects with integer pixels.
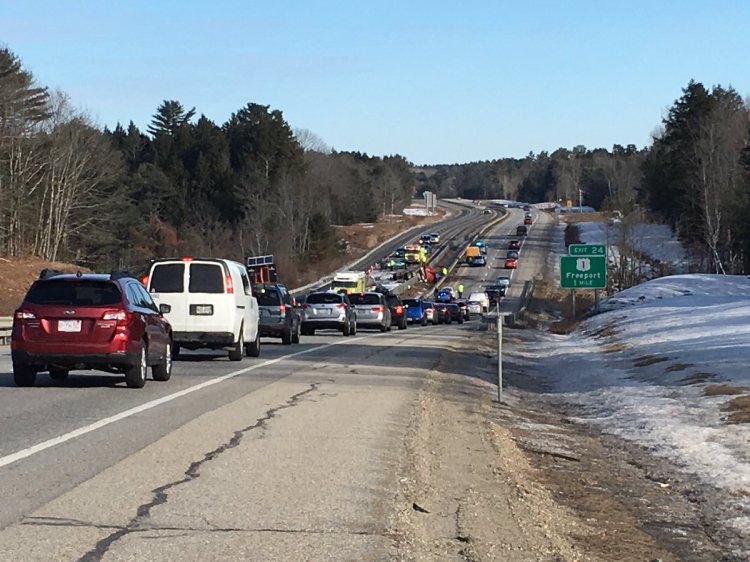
[
  {"x": 372, "y": 310},
  {"x": 328, "y": 310}
]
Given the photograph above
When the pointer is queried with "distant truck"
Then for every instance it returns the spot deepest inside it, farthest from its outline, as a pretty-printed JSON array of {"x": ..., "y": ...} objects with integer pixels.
[
  {"x": 472, "y": 252},
  {"x": 349, "y": 281}
]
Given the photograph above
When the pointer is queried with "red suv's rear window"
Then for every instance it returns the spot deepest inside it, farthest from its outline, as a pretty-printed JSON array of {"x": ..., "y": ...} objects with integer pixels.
[{"x": 74, "y": 292}]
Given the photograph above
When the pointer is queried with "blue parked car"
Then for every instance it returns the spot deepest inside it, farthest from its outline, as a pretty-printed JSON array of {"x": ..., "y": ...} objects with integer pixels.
[{"x": 415, "y": 313}]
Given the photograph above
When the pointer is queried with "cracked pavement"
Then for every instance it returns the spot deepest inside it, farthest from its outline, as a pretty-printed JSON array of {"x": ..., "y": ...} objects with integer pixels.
[{"x": 302, "y": 468}]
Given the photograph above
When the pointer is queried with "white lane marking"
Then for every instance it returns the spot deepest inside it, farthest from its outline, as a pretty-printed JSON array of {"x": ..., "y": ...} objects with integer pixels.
[{"x": 38, "y": 448}]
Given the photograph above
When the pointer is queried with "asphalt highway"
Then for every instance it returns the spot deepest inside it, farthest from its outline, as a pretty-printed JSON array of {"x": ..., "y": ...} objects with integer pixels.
[{"x": 294, "y": 455}]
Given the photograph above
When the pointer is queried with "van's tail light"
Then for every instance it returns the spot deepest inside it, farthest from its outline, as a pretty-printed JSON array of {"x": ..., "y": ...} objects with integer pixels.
[
  {"x": 228, "y": 285},
  {"x": 144, "y": 280},
  {"x": 378, "y": 308}
]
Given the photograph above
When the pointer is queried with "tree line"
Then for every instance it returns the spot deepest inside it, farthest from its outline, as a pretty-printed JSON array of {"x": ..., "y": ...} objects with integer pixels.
[
  {"x": 186, "y": 185},
  {"x": 695, "y": 176}
]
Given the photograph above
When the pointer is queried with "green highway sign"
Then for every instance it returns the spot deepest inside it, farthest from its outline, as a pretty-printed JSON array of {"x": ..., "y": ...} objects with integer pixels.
[
  {"x": 587, "y": 272},
  {"x": 587, "y": 250}
]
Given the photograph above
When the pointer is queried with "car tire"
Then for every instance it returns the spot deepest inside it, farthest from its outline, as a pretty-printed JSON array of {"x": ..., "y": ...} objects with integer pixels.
[
  {"x": 353, "y": 331},
  {"x": 424, "y": 321},
  {"x": 175, "y": 351},
  {"x": 286, "y": 337},
  {"x": 252, "y": 349},
  {"x": 24, "y": 375},
  {"x": 383, "y": 328},
  {"x": 58, "y": 374},
  {"x": 346, "y": 329},
  {"x": 402, "y": 325},
  {"x": 461, "y": 320},
  {"x": 235, "y": 354},
  {"x": 162, "y": 371},
  {"x": 295, "y": 336},
  {"x": 135, "y": 375}
]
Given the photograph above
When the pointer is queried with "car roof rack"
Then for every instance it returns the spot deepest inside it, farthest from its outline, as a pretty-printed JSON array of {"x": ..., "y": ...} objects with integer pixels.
[
  {"x": 48, "y": 272},
  {"x": 121, "y": 274}
]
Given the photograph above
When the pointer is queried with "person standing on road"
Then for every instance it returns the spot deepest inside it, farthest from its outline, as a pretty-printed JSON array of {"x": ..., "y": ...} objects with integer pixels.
[{"x": 460, "y": 290}]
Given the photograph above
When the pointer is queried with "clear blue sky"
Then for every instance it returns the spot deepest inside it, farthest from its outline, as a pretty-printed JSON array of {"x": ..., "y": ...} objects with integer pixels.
[{"x": 435, "y": 81}]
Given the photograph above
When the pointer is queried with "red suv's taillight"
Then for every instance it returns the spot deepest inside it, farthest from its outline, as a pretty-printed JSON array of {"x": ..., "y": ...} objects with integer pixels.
[
  {"x": 123, "y": 321},
  {"x": 119, "y": 315},
  {"x": 378, "y": 308},
  {"x": 24, "y": 315},
  {"x": 399, "y": 309}
]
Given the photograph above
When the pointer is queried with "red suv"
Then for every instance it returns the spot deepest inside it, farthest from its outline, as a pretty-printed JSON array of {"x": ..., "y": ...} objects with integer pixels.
[{"x": 90, "y": 321}]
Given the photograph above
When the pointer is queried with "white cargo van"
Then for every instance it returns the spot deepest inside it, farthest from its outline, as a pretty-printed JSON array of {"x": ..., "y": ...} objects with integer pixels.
[
  {"x": 208, "y": 302},
  {"x": 481, "y": 298}
]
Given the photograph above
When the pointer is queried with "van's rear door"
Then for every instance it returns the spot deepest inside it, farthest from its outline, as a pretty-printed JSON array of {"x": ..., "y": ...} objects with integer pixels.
[
  {"x": 211, "y": 307},
  {"x": 167, "y": 284}
]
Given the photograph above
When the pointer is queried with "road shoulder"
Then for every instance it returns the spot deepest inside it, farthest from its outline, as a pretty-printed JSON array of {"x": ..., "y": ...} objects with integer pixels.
[{"x": 472, "y": 486}]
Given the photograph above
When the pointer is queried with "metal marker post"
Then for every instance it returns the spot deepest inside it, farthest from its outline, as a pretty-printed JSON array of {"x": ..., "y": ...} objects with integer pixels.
[{"x": 499, "y": 353}]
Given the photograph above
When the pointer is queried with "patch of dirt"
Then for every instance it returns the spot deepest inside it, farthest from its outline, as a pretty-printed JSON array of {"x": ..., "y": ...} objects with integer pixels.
[
  {"x": 739, "y": 410},
  {"x": 573, "y": 218},
  {"x": 724, "y": 389},
  {"x": 678, "y": 367},
  {"x": 647, "y": 360},
  {"x": 699, "y": 378},
  {"x": 362, "y": 237},
  {"x": 17, "y": 275},
  {"x": 466, "y": 492}
]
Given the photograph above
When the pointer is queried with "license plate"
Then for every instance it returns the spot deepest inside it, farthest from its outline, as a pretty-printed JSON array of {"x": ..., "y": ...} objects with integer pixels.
[
  {"x": 68, "y": 325},
  {"x": 201, "y": 309}
]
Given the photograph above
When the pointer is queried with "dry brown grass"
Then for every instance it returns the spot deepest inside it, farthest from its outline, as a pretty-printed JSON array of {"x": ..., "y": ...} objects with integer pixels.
[
  {"x": 698, "y": 378},
  {"x": 564, "y": 326},
  {"x": 679, "y": 367},
  {"x": 647, "y": 360},
  {"x": 724, "y": 389},
  {"x": 605, "y": 332},
  {"x": 738, "y": 409},
  {"x": 572, "y": 218}
]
